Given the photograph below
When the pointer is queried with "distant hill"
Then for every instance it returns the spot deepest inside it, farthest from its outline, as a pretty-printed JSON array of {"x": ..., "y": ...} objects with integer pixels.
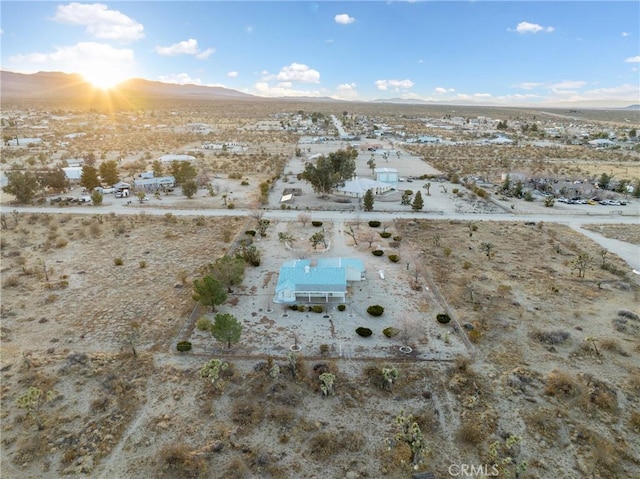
[
  {"x": 56, "y": 85},
  {"x": 631, "y": 107}
]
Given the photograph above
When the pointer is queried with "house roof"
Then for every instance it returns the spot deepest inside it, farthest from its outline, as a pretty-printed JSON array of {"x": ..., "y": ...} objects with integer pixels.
[
  {"x": 169, "y": 158},
  {"x": 326, "y": 274},
  {"x": 361, "y": 185},
  {"x": 72, "y": 172},
  {"x": 385, "y": 170}
]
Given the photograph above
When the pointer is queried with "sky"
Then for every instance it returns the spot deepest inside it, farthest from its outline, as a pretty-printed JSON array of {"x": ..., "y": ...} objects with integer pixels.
[{"x": 485, "y": 52}]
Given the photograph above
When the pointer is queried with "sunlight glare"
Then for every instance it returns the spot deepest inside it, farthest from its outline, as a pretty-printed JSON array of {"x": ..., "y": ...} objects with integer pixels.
[{"x": 104, "y": 78}]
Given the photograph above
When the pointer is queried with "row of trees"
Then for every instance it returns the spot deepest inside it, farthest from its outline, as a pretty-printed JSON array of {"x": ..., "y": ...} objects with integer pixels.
[{"x": 416, "y": 204}]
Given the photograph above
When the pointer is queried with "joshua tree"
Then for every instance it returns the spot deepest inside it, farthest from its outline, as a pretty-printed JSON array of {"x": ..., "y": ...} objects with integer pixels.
[
  {"x": 581, "y": 262},
  {"x": 327, "y": 381},
  {"x": 488, "y": 248}
]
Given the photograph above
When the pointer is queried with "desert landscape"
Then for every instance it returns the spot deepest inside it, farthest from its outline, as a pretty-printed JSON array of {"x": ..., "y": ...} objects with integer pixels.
[{"x": 509, "y": 334}]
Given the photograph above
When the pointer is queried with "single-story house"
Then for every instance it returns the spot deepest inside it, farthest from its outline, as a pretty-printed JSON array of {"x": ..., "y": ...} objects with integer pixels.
[
  {"x": 386, "y": 175},
  {"x": 601, "y": 143},
  {"x": 428, "y": 139},
  {"x": 319, "y": 280},
  {"x": 357, "y": 187},
  {"x": 73, "y": 173},
  {"x": 121, "y": 186},
  {"x": 24, "y": 141},
  {"x": 154, "y": 183},
  {"x": 172, "y": 158}
]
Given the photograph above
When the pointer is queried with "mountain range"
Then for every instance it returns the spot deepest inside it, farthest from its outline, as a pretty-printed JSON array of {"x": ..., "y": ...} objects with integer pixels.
[{"x": 69, "y": 86}]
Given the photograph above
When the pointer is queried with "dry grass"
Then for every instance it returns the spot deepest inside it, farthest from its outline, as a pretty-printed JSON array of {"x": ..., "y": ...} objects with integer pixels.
[{"x": 562, "y": 385}]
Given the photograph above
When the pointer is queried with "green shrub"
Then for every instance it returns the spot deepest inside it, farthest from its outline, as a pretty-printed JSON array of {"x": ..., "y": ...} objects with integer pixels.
[
  {"x": 183, "y": 346},
  {"x": 244, "y": 183},
  {"x": 390, "y": 332},
  {"x": 231, "y": 206},
  {"x": 203, "y": 324},
  {"x": 443, "y": 318},
  {"x": 118, "y": 261},
  {"x": 293, "y": 307},
  {"x": 302, "y": 308},
  {"x": 377, "y": 252},
  {"x": 250, "y": 232},
  {"x": 375, "y": 310},
  {"x": 385, "y": 234},
  {"x": 142, "y": 264},
  {"x": 342, "y": 307},
  {"x": 374, "y": 223},
  {"x": 364, "y": 332},
  {"x": 317, "y": 308},
  {"x": 397, "y": 238},
  {"x": 317, "y": 224},
  {"x": 394, "y": 258},
  {"x": 324, "y": 349}
]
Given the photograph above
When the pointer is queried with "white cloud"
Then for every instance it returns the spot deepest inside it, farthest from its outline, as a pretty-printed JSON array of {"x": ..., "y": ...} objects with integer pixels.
[
  {"x": 344, "y": 19},
  {"x": 180, "y": 78},
  {"x": 100, "y": 22},
  {"x": 263, "y": 88},
  {"x": 296, "y": 73},
  {"x": 526, "y": 27},
  {"x": 346, "y": 91},
  {"x": 84, "y": 57},
  {"x": 232, "y": 74},
  {"x": 625, "y": 34},
  {"x": 635, "y": 59},
  {"x": 441, "y": 91},
  {"x": 567, "y": 84},
  {"x": 528, "y": 85},
  {"x": 394, "y": 85},
  {"x": 185, "y": 47}
]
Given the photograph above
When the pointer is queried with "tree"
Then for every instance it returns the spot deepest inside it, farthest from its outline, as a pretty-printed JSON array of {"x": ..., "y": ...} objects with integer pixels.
[
  {"x": 141, "y": 195},
  {"x": 331, "y": 171},
  {"x": 212, "y": 371},
  {"x": 549, "y": 201},
  {"x": 409, "y": 432},
  {"x": 229, "y": 270},
  {"x": 209, "y": 291},
  {"x": 109, "y": 172},
  {"x": 32, "y": 400},
  {"x": 55, "y": 179},
  {"x": 582, "y": 262},
  {"x": 304, "y": 218},
  {"x": 89, "y": 177},
  {"x": 371, "y": 163},
  {"x": 418, "y": 203},
  {"x": 22, "y": 185},
  {"x": 183, "y": 171},
  {"x": 427, "y": 186},
  {"x": 226, "y": 329},
  {"x": 406, "y": 197},
  {"x": 189, "y": 188},
  {"x": 96, "y": 198},
  {"x": 604, "y": 180},
  {"x": 157, "y": 168},
  {"x": 318, "y": 238},
  {"x": 368, "y": 200}
]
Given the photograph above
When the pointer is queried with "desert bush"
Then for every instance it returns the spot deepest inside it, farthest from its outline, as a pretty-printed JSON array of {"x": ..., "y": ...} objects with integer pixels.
[
  {"x": 324, "y": 445},
  {"x": 385, "y": 234},
  {"x": 447, "y": 251},
  {"x": 183, "y": 346},
  {"x": 474, "y": 335},
  {"x": 375, "y": 310},
  {"x": 293, "y": 307},
  {"x": 61, "y": 243},
  {"x": 374, "y": 223},
  {"x": 471, "y": 432},
  {"x": 342, "y": 307},
  {"x": 317, "y": 224},
  {"x": 247, "y": 412},
  {"x": 443, "y": 318},
  {"x": 634, "y": 421},
  {"x": 562, "y": 385},
  {"x": 394, "y": 258},
  {"x": 542, "y": 421},
  {"x": 230, "y": 206},
  {"x": 364, "y": 332},
  {"x": 317, "y": 308},
  {"x": 203, "y": 324},
  {"x": 250, "y": 232},
  {"x": 377, "y": 252},
  {"x": 12, "y": 281},
  {"x": 466, "y": 265},
  {"x": 176, "y": 460},
  {"x": 550, "y": 337},
  {"x": 612, "y": 345},
  {"x": 324, "y": 349},
  {"x": 390, "y": 332},
  {"x": 142, "y": 264},
  {"x": 397, "y": 238},
  {"x": 118, "y": 261}
]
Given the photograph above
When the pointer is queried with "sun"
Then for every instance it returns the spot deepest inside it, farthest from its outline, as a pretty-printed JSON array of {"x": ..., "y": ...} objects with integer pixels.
[{"x": 104, "y": 78}]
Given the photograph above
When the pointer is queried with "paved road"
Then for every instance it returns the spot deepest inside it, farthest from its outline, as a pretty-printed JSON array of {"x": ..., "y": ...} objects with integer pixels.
[{"x": 628, "y": 252}]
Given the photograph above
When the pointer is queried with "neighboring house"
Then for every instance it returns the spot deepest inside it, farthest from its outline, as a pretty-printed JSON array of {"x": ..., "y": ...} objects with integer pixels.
[
  {"x": 428, "y": 139},
  {"x": 172, "y": 158},
  {"x": 321, "y": 280},
  {"x": 386, "y": 175},
  {"x": 75, "y": 161},
  {"x": 501, "y": 140},
  {"x": 154, "y": 183},
  {"x": 357, "y": 187},
  {"x": 601, "y": 143},
  {"x": 73, "y": 173},
  {"x": 24, "y": 141}
]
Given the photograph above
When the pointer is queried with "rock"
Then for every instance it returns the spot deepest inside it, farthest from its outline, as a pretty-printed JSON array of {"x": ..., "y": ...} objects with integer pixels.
[{"x": 178, "y": 285}]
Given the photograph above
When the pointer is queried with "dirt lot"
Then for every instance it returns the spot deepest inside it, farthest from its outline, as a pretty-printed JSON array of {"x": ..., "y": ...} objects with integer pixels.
[{"x": 551, "y": 378}]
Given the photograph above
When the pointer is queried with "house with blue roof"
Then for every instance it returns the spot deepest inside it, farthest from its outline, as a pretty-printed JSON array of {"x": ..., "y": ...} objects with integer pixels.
[{"x": 321, "y": 280}]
